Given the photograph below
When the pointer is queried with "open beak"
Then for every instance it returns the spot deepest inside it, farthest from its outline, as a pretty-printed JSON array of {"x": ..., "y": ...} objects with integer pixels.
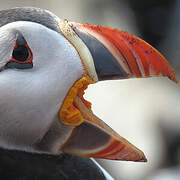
[{"x": 106, "y": 54}]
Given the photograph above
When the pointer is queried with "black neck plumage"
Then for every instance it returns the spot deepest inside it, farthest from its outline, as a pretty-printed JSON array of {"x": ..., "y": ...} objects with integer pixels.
[{"x": 19, "y": 165}]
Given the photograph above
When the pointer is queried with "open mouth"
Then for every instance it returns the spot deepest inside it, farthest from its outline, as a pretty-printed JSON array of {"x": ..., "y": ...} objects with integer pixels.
[
  {"x": 76, "y": 111},
  {"x": 106, "y": 54}
]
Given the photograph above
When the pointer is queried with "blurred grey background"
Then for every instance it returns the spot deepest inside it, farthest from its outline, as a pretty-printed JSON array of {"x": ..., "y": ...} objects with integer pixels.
[{"x": 145, "y": 111}]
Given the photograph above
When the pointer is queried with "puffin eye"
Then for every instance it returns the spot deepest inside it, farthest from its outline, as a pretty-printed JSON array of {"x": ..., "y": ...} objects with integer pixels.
[
  {"x": 20, "y": 53},
  {"x": 21, "y": 56}
]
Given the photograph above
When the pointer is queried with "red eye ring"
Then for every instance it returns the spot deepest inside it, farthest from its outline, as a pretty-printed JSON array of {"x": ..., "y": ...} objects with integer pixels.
[{"x": 28, "y": 60}]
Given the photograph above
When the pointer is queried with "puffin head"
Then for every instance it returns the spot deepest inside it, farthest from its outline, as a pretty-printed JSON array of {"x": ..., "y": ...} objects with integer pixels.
[{"x": 46, "y": 64}]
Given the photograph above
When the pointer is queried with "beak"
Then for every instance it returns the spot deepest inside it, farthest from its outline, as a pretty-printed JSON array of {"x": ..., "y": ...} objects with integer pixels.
[{"x": 106, "y": 54}]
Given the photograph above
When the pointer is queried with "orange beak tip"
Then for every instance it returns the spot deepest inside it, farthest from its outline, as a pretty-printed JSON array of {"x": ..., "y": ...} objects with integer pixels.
[{"x": 175, "y": 80}]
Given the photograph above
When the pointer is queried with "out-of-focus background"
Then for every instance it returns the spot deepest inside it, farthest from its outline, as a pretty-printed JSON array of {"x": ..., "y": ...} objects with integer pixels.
[{"x": 145, "y": 111}]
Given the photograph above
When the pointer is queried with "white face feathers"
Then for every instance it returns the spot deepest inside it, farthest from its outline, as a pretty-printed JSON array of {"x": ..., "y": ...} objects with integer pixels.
[{"x": 30, "y": 98}]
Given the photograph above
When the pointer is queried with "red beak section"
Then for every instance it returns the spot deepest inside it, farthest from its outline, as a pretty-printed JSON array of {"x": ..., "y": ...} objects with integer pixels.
[
  {"x": 130, "y": 55},
  {"x": 90, "y": 140},
  {"x": 94, "y": 138}
]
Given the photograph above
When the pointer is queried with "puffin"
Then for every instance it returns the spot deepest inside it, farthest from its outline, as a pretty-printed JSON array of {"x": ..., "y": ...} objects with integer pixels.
[{"x": 47, "y": 128}]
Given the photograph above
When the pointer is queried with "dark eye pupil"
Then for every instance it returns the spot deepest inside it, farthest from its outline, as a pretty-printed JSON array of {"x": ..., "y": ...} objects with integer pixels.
[{"x": 20, "y": 53}]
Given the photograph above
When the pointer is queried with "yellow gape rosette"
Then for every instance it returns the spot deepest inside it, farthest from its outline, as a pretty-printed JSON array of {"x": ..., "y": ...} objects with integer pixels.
[{"x": 69, "y": 113}]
